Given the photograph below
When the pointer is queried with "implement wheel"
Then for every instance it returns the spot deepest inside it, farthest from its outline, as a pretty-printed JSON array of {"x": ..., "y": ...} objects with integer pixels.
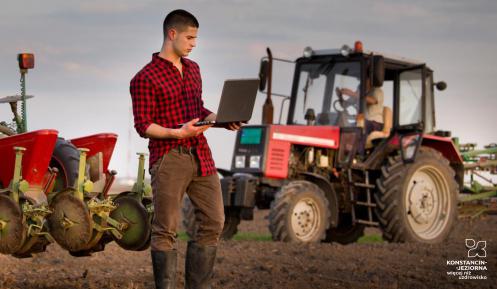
[
  {"x": 133, "y": 214},
  {"x": 13, "y": 229},
  {"x": 70, "y": 223}
]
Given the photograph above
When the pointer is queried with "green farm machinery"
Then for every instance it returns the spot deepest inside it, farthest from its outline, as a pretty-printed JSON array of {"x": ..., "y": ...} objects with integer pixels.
[
  {"x": 57, "y": 190},
  {"x": 479, "y": 193}
]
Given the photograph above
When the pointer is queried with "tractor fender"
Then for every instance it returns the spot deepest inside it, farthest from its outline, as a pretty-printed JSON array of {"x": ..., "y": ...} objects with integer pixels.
[
  {"x": 329, "y": 192},
  {"x": 447, "y": 148},
  {"x": 444, "y": 145}
]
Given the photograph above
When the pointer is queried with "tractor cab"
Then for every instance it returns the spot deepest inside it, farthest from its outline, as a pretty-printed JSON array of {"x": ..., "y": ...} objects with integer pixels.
[
  {"x": 320, "y": 75},
  {"x": 332, "y": 87}
]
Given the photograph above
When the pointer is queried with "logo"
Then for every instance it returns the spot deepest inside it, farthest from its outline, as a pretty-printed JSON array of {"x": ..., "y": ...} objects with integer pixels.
[{"x": 476, "y": 249}]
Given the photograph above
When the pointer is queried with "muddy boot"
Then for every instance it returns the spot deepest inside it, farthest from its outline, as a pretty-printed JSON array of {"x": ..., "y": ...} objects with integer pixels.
[
  {"x": 164, "y": 264},
  {"x": 199, "y": 265}
]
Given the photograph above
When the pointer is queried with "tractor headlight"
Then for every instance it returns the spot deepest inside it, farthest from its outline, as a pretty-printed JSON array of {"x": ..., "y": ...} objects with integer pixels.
[
  {"x": 239, "y": 162},
  {"x": 255, "y": 162}
]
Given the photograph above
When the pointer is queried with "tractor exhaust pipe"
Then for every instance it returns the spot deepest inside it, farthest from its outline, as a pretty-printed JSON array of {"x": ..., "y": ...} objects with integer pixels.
[{"x": 267, "y": 108}]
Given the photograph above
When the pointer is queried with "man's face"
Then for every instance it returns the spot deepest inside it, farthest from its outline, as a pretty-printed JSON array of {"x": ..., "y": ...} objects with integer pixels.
[{"x": 183, "y": 41}]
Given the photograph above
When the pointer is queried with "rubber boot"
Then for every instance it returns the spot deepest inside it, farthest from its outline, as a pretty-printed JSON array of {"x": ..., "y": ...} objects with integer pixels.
[
  {"x": 199, "y": 266},
  {"x": 164, "y": 264}
]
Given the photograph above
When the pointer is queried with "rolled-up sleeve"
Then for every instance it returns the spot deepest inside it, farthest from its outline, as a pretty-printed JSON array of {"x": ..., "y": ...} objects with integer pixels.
[{"x": 143, "y": 99}]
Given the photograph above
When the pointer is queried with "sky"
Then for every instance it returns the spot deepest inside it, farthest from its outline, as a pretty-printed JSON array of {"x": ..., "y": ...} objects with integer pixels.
[{"x": 87, "y": 52}]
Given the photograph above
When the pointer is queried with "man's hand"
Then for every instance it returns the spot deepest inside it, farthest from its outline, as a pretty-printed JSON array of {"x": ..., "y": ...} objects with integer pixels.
[
  {"x": 233, "y": 125},
  {"x": 189, "y": 130}
]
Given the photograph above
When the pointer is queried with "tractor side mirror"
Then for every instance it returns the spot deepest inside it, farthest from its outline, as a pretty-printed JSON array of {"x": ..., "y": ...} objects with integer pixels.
[
  {"x": 441, "y": 85},
  {"x": 310, "y": 116},
  {"x": 263, "y": 73}
]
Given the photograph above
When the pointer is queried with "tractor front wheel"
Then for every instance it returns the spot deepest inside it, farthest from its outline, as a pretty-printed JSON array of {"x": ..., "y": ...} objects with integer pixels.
[
  {"x": 299, "y": 213},
  {"x": 417, "y": 202}
]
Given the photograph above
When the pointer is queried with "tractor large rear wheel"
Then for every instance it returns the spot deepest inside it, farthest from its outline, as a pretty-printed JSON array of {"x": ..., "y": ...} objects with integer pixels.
[
  {"x": 417, "y": 202},
  {"x": 299, "y": 213}
]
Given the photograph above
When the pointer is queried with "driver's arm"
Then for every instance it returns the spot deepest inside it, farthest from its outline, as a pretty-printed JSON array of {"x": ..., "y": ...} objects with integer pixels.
[
  {"x": 371, "y": 100},
  {"x": 349, "y": 92},
  {"x": 375, "y": 97}
]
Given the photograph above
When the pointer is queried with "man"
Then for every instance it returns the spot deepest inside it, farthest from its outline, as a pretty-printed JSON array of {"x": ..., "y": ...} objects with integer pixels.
[
  {"x": 374, "y": 109},
  {"x": 165, "y": 93}
]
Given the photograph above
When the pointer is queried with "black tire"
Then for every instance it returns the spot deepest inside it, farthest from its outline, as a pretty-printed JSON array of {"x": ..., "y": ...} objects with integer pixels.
[
  {"x": 345, "y": 233},
  {"x": 289, "y": 207},
  {"x": 65, "y": 158},
  {"x": 231, "y": 221},
  {"x": 398, "y": 193}
]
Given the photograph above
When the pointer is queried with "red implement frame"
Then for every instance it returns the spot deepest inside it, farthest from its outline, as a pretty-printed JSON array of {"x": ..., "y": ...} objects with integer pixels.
[
  {"x": 102, "y": 142},
  {"x": 105, "y": 143},
  {"x": 39, "y": 147}
]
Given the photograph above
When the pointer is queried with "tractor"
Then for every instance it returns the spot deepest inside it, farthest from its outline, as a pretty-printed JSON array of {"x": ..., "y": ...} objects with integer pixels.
[
  {"x": 57, "y": 190},
  {"x": 324, "y": 179}
]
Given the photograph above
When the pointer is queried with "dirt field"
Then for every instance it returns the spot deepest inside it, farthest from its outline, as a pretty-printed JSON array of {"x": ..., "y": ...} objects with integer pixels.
[{"x": 260, "y": 265}]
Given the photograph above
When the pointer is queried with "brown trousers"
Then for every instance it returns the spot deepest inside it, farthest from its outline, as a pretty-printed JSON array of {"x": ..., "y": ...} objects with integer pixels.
[{"x": 173, "y": 175}]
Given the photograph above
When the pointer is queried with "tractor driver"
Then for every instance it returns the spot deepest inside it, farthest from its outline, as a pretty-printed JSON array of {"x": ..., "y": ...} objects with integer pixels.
[
  {"x": 165, "y": 93},
  {"x": 374, "y": 109}
]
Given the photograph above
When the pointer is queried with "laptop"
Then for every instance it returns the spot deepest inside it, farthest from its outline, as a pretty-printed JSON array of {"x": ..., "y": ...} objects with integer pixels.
[{"x": 237, "y": 102}]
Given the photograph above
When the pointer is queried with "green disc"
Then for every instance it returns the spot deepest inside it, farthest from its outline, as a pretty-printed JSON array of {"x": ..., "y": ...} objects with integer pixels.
[{"x": 133, "y": 214}]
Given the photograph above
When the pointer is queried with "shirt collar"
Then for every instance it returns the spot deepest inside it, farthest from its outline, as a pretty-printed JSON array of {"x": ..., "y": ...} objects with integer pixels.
[{"x": 157, "y": 59}]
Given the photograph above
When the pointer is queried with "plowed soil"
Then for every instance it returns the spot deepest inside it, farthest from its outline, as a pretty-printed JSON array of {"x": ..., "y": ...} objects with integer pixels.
[{"x": 263, "y": 264}]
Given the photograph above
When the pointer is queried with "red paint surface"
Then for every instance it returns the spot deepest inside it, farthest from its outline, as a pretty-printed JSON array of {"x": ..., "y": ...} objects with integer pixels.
[
  {"x": 102, "y": 142},
  {"x": 39, "y": 147},
  {"x": 278, "y": 151}
]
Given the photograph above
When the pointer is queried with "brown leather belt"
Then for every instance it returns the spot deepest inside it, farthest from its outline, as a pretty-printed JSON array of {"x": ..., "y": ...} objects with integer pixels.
[{"x": 184, "y": 150}]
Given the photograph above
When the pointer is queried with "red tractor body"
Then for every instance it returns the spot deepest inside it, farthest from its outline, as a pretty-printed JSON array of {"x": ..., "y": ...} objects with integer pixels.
[{"x": 282, "y": 137}]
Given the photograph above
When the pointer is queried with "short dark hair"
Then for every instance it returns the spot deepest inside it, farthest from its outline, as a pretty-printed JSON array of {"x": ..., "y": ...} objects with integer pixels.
[{"x": 179, "y": 19}]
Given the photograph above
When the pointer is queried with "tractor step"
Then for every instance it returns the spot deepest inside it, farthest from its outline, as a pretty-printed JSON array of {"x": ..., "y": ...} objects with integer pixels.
[
  {"x": 366, "y": 204},
  {"x": 368, "y": 223},
  {"x": 365, "y": 187}
]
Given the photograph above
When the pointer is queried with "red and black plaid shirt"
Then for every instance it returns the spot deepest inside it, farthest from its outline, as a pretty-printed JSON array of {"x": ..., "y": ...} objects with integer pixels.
[{"x": 160, "y": 95}]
